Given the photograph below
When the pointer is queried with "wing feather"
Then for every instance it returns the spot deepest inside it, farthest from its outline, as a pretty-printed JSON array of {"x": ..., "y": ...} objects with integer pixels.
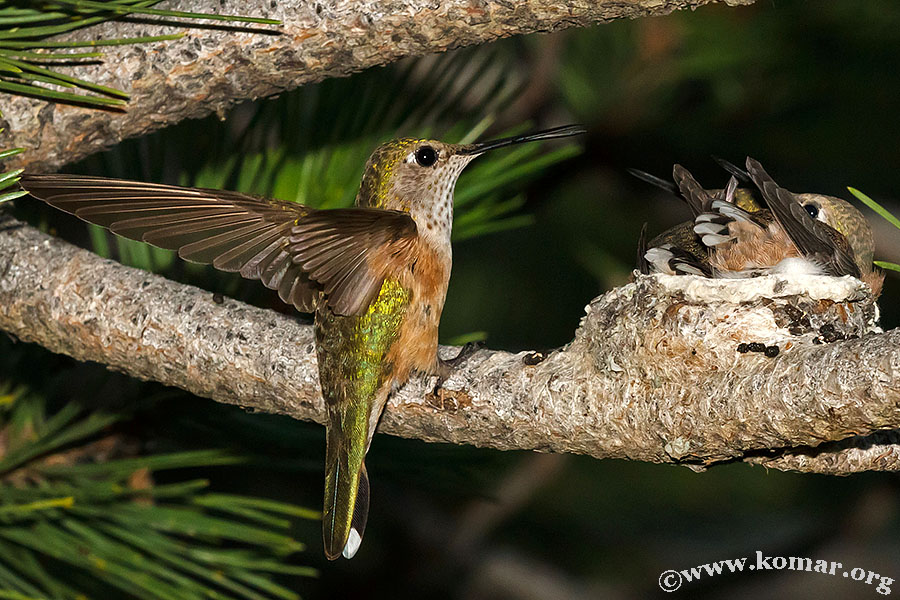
[
  {"x": 351, "y": 251},
  {"x": 298, "y": 251},
  {"x": 813, "y": 238},
  {"x": 697, "y": 198},
  {"x": 251, "y": 251}
]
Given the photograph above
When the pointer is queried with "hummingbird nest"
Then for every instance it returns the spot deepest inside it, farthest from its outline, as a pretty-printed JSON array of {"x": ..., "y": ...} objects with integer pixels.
[
  {"x": 685, "y": 346},
  {"x": 723, "y": 322}
]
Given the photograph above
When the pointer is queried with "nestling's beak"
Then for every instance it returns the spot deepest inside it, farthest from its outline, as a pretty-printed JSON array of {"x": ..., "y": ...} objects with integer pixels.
[{"x": 556, "y": 132}]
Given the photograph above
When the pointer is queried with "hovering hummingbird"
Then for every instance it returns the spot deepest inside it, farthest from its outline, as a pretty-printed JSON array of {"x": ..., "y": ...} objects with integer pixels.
[
  {"x": 375, "y": 275},
  {"x": 733, "y": 236}
]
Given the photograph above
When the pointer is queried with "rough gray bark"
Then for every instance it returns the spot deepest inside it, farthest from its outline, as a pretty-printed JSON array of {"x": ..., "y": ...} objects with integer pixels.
[
  {"x": 653, "y": 372},
  {"x": 209, "y": 70}
]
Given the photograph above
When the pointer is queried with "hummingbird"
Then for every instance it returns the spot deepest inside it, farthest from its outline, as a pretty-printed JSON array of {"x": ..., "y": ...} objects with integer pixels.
[
  {"x": 749, "y": 231},
  {"x": 375, "y": 275},
  {"x": 679, "y": 250}
]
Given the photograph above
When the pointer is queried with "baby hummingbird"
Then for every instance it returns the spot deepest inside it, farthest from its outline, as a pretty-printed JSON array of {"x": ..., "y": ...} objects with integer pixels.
[
  {"x": 375, "y": 276},
  {"x": 679, "y": 250},
  {"x": 763, "y": 228}
]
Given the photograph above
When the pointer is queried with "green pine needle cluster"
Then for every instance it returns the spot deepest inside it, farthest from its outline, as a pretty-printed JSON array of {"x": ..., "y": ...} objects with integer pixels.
[
  {"x": 81, "y": 516},
  {"x": 29, "y": 63},
  {"x": 9, "y": 178}
]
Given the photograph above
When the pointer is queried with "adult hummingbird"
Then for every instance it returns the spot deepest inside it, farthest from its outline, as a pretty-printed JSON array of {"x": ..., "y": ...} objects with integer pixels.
[
  {"x": 375, "y": 276},
  {"x": 744, "y": 232}
]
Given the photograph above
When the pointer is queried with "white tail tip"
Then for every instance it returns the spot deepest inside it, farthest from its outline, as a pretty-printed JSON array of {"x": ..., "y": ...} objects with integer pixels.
[{"x": 353, "y": 542}]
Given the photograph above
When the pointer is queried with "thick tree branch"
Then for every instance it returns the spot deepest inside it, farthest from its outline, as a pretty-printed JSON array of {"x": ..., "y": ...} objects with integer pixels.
[
  {"x": 209, "y": 70},
  {"x": 654, "y": 372}
]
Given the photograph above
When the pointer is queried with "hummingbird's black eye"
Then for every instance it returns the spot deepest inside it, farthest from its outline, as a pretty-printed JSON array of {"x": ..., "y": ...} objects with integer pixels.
[
  {"x": 426, "y": 156},
  {"x": 812, "y": 209}
]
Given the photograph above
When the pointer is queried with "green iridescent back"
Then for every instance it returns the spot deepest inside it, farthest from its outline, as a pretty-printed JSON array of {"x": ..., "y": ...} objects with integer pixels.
[
  {"x": 352, "y": 348},
  {"x": 352, "y": 372},
  {"x": 374, "y": 191}
]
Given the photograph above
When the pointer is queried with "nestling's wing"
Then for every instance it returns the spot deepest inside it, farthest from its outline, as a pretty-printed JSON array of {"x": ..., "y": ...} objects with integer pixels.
[
  {"x": 813, "y": 238},
  {"x": 654, "y": 180},
  {"x": 673, "y": 253},
  {"x": 642, "y": 265},
  {"x": 732, "y": 169},
  {"x": 234, "y": 232},
  {"x": 697, "y": 198}
]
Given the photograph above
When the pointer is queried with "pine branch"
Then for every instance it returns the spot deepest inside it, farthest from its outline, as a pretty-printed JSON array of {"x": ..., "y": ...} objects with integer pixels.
[
  {"x": 209, "y": 70},
  {"x": 26, "y": 68},
  {"x": 655, "y": 371},
  {"x": 73, "y": 479}
]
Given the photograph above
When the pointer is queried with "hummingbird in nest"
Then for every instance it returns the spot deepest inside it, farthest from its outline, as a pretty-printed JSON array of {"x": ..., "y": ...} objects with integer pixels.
[
  {"x": 375, "y": 276},
  {"x": 679, "y": 250},
  {"x": 753, "y": 227}
]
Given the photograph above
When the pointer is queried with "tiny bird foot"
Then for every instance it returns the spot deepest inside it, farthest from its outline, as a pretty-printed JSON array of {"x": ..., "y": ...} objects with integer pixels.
[
  {"x": 464, "y": 354},
  {"x": 445, "y": 367}
]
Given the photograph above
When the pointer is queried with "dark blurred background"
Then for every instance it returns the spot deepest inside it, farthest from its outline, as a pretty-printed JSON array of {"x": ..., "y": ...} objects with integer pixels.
[{"x": 811, "y": 89}]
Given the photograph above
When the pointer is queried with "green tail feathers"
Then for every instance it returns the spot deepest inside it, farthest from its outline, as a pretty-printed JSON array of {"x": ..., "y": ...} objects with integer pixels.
[{"x": 346, "y": 496}]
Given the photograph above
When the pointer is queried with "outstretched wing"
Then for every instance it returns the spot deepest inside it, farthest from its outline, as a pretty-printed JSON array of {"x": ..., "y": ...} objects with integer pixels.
[
  {"x": 813, "y": 238},
  {"x": 299, "y": 251},
  {"x": 350, "y": 251}
]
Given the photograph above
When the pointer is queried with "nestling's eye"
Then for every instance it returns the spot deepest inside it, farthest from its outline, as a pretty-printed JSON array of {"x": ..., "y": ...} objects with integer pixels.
[
  {"x": 426, "y": 156},
  {"x": 812, "y": 209}
]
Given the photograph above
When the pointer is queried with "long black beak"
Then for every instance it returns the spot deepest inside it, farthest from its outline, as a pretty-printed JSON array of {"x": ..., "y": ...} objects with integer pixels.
[{"x": 547, "y": 134}]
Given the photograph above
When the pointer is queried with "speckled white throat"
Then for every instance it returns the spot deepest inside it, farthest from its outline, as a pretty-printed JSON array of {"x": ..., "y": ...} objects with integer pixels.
[{"x": 434, "y": 219}]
